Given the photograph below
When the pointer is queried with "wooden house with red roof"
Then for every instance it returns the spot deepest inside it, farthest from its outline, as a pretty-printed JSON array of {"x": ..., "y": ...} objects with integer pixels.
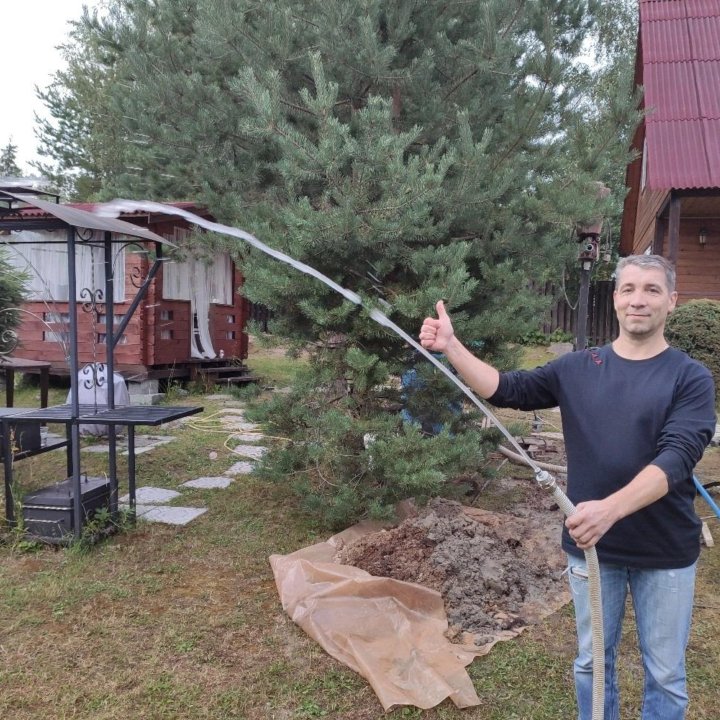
[
  {"x": 673, "y": 204},
  {"x": 191, "y": 322}
]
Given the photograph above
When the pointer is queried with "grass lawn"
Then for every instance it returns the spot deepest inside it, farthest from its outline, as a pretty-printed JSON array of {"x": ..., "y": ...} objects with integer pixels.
[{"x": 164, "y": 622}]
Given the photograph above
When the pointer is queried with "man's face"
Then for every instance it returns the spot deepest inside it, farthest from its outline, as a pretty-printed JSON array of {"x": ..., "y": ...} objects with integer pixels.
[{"x": 642, "y": 301}]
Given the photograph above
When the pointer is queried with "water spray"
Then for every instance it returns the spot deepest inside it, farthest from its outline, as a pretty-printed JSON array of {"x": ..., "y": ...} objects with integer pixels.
[{"x": 544, "y": 479}]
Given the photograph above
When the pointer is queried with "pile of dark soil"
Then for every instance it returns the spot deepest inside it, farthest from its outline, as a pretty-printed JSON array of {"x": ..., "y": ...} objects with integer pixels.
[{"x": 497, "y": 572}]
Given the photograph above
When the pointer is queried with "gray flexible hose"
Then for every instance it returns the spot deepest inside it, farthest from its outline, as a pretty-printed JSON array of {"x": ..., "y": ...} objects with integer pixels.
[
  {"x": 547, "y": 482},
  {"x": 544, "y": 478}
]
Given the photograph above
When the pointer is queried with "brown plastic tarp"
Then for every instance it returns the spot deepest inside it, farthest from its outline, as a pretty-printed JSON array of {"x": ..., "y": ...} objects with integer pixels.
[{"x": 388, "y": 631}]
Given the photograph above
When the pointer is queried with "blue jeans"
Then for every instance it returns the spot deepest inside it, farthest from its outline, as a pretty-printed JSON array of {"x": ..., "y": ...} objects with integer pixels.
[{"x": 663, "y": 601}]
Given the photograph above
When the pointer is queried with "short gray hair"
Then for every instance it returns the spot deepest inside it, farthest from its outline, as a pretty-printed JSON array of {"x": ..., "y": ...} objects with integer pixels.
[{"x": 647, "y": 262}]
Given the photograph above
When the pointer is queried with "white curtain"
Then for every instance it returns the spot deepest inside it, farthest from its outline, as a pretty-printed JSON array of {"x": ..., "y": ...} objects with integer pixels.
[
  {"x": 46, "y": 265},
  {"x": 202, "y": 283}
]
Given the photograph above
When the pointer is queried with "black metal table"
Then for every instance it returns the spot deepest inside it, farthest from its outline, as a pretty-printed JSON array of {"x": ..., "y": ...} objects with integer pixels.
[{"x": 128, "y": 416}]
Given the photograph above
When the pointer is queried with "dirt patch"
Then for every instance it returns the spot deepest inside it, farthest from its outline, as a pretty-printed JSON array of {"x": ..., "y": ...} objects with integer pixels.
[
  {"x": 497, "y": 572},
  {"x": 708, "y": 469}
]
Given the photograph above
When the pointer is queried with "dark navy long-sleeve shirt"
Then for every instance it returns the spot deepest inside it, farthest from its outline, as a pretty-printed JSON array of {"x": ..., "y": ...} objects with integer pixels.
[{"x": 619, "y": 416}]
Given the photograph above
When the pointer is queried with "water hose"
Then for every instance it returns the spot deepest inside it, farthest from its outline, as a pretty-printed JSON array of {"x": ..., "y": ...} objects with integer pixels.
[
  {"x": 544, "y": 479},
  {"x": 547, "y": 482}
]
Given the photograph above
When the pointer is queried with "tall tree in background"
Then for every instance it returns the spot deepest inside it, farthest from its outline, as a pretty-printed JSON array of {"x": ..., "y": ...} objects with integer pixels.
[
  {"x": 12, "y": 292},
  {"x": 8, "y": 161},
  {"x": 12, "y": 284},
  {"x": 410, "y": 151}
]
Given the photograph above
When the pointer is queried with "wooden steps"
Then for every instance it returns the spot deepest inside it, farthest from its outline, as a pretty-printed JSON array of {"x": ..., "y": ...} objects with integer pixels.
[{"x": 214, "y": 374}]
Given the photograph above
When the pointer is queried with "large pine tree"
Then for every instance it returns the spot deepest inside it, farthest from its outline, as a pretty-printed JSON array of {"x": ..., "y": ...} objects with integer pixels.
[{"x": 410, "y": 151}]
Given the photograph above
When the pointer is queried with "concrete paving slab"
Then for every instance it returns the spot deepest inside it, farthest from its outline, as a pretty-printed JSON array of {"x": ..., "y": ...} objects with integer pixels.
[
  {"x": 143, "y": 448},
  {"x": 148, "y": 494},
  {"x": 240, "y": 468},
  {"x": 239, "y": 425},
  {"x": 102, "y": 448},
  {"x": 140, "y": 510},
  {"x": 252, "y": 451},
  {"x": 148, "y": 440},
  {"x": 143, "y": 444},
  {"x": 168, "y": 515},
  {"x": 208, "y": 482},
  {"x": 249, "y": 437}
]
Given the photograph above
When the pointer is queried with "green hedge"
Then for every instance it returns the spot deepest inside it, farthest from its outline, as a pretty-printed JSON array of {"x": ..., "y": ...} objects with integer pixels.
[{"x": 695, "y": 328}]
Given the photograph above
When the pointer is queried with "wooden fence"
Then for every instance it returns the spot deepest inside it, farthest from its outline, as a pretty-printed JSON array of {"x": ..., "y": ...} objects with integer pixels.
[{"x": 602, "y": 324}]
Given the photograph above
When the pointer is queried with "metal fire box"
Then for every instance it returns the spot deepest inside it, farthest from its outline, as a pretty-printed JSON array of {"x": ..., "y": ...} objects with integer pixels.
[
  {"x": 48, "y": 512},
  {"x": 25, "y": 435}
]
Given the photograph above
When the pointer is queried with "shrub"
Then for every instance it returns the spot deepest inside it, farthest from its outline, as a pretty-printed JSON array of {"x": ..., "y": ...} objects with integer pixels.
[
  {"x": 538, "y": 337},
  {"x": 695, "y": 328}
]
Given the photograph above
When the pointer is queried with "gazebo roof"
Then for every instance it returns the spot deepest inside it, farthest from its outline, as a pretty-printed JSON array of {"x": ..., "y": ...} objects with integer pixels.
[{"x": 74, "y": 217}]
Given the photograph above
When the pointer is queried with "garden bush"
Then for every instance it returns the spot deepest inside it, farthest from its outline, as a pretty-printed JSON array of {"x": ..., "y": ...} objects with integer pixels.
[{"x": 695, "y": 328}]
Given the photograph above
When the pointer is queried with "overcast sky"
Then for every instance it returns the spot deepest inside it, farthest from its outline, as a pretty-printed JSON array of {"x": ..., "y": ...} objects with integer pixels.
[{"x": 31, "y": 30}]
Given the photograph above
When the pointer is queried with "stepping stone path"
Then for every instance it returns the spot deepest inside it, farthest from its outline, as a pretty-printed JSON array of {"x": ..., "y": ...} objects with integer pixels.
[
  {"x": 151, "y": 501},
  {"x": 252, "y": 451},
  {"x": 168, "y": 515},
  {"x": 247, "y": 437}
]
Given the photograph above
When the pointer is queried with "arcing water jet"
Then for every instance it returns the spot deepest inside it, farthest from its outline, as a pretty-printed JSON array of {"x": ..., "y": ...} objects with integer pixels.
[{"x": 543, "y": 477}]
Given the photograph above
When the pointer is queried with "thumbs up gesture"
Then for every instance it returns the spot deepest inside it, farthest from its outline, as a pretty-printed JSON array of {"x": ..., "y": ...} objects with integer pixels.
[{"x": 436, "y": 333}]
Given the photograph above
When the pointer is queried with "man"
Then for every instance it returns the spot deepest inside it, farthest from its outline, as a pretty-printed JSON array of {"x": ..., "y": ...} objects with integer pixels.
[{"x": 637, "y": 416}]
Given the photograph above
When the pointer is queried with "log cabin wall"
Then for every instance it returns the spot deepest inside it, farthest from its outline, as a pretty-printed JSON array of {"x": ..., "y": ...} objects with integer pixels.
[
  {"x": 167, "y": 326},
  {"x": 43, "y": 330},
  {"x": 169, "y": 333},
  {"x": 698, "y": 266},
  {"x": 129, "y": 350},
  {"x": 158, "y": 335},
  {"x": 650, "y": 204}
]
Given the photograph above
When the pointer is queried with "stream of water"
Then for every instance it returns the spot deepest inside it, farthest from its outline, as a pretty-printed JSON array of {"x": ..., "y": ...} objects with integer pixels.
[
  {"x": 114, "y": 208},
  {"x": 545, "y": 479}
]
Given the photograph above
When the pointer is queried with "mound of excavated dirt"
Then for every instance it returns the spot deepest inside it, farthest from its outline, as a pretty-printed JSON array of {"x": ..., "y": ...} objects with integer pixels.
[{"x": 497, "y": 572}]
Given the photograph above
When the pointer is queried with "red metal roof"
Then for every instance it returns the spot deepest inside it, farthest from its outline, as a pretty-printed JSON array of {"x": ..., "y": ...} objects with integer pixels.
[{"x": 680, "y": 46}]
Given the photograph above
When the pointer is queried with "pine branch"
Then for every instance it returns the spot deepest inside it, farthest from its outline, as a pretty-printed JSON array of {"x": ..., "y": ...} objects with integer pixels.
[
  {"x": 460, "y": 83},
  {"x": 299, "y": 108}
]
